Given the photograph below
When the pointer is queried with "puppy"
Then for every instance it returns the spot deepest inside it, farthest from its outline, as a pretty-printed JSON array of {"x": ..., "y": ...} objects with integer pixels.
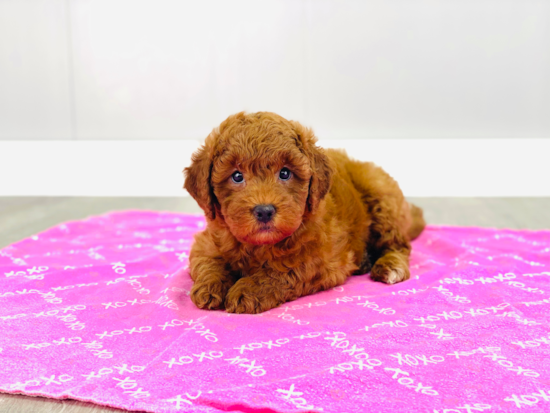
[{"x": 286, "y": 218}]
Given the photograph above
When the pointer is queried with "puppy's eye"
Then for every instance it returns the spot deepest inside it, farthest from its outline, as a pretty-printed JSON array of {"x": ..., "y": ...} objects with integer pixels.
[
  {"x": 237, "y": 177},
  {"x": 285, "y": 174}
]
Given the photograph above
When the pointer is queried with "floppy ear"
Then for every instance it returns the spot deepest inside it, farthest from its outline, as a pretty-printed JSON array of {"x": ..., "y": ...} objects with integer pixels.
[
  {"x": 322, "y": 169},
  {"x": 197, "y": 177}
]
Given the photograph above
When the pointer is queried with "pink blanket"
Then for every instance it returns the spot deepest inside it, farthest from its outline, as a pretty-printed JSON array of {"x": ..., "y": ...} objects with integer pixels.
[{"x": 99, "y": 310}]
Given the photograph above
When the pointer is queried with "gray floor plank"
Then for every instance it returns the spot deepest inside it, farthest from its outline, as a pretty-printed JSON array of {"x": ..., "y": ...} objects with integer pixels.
[
  {"x": 512, "y": 213},
  {"x": 21, "y": 217},
  {"x": 15, "y": 403}
]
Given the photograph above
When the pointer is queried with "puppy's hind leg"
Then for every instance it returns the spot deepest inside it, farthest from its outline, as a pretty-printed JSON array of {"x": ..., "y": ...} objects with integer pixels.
[
  {"x": 389, "y": 246},
  {"x": 393, "y": 233},
  {"x": 417, "y": 222},
  {"x": 388, "y": 242},
  {"x": 392, "y": 267}
]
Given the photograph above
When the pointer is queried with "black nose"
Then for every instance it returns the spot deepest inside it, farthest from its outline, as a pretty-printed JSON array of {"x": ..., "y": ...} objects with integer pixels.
[{"x": 264, "y": 213}]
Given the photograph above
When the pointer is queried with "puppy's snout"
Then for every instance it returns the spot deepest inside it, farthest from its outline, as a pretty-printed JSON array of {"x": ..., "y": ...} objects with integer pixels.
[{"x": 264, "y": 213}]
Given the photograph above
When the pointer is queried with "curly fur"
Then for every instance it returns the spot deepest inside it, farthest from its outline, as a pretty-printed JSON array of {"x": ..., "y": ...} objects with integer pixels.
[{"x": 334, "y": 217}]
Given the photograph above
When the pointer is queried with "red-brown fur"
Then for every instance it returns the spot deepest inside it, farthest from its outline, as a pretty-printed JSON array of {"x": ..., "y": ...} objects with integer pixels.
[{"x": 334, "y": 217}]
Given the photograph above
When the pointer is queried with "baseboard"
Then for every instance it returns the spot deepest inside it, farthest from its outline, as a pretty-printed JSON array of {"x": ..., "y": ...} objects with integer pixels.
[{"x": 423, "y": 167}]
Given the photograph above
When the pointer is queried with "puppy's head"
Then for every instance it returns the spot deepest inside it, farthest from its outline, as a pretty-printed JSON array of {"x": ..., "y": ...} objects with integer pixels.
[{"x": 261, "y": 174}]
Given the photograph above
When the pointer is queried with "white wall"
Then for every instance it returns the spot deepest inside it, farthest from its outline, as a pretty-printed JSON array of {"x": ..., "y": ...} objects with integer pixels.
[
  {"x": 35, "y": 81},
  {"x": 172, "y": 69},
  {"x": 423, "y": 167},
  {"x": 399, "y": 72}
]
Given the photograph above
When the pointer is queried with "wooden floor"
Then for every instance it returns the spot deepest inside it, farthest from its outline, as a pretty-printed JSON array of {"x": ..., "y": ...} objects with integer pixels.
[{"x": 21, "y": 217}]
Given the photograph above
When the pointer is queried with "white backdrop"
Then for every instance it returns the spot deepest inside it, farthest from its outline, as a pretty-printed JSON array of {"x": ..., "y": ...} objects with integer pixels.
[
  {"x": 171, "y": 69},
  {"x": 382, "y": 72},
  {"x": 423, "y": 167}
]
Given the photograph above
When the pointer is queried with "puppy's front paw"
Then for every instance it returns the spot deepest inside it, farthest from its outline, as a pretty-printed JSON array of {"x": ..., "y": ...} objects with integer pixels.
[
  {"x": 209, "y": 294},
  {"x": 391, "y": 269},
  {"x": 246, "y": 297}
]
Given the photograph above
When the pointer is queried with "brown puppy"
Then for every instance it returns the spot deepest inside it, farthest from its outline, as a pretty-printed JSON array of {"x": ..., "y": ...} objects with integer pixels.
[{"x": 287, "y": 219}]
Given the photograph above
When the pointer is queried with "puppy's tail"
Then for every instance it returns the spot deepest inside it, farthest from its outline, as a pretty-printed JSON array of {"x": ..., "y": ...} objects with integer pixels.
[{"x": 418, "y": 223}]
